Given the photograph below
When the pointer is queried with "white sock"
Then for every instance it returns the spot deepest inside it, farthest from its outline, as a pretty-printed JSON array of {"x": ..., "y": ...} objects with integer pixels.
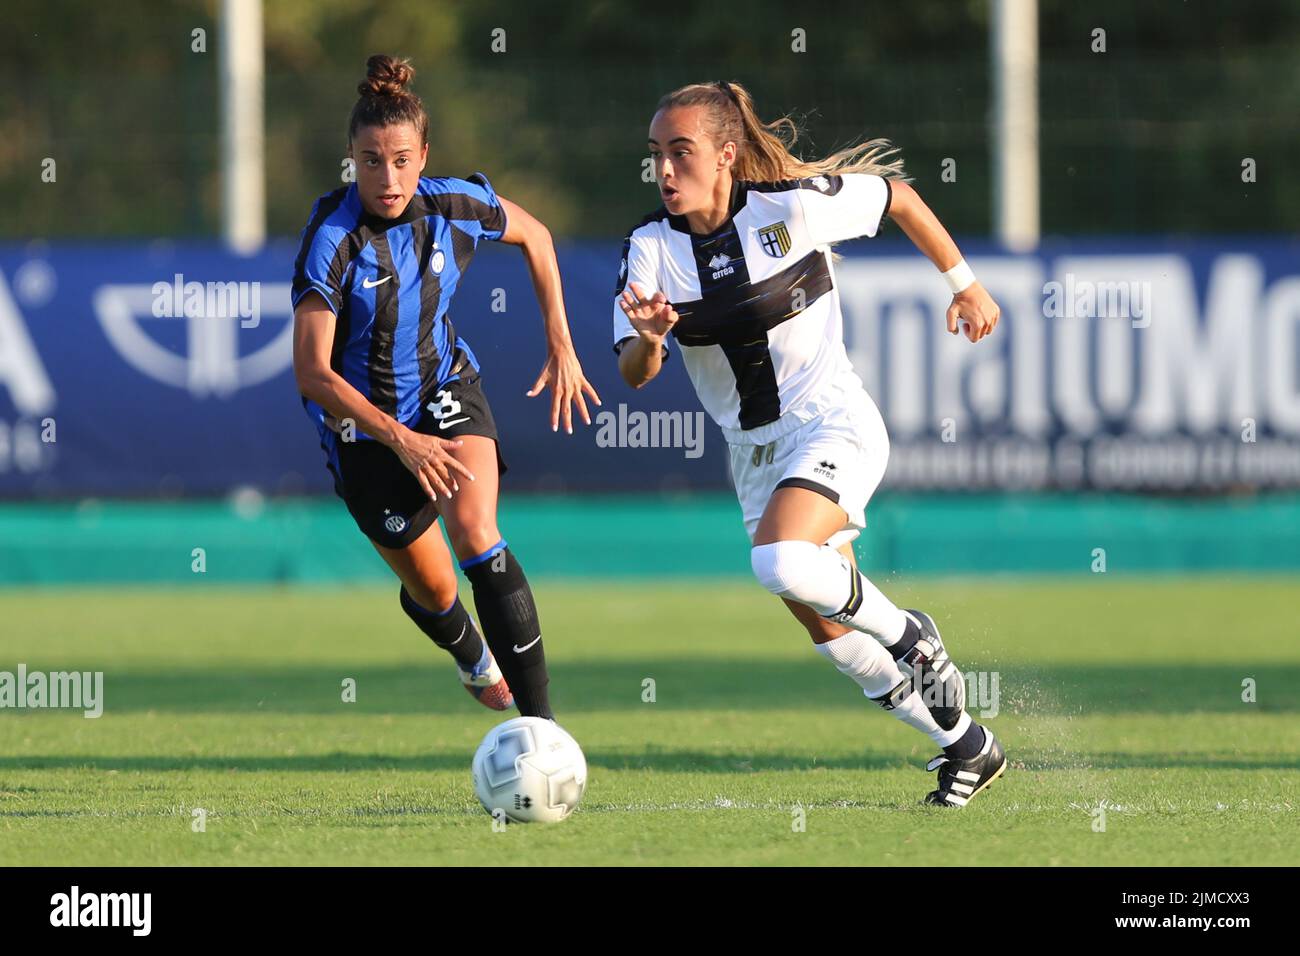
[
  {"x": 826, "y": 581},
  {"x": 869, "y": 664},
  {"x": 864, "y": 660}
]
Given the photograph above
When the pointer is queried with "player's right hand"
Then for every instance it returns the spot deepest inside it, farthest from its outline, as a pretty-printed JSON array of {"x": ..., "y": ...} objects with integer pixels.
[
  {"x": 974, "y": 312},
  {"x": 429, "y": 458},
  {"x": 653, "y": 317}
]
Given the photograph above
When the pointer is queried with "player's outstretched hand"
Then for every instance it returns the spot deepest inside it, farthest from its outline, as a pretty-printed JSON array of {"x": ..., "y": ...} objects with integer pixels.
[
  {"x": 652, "y": 317},
  {"x": 428, "y": 457},
  {"x": 976, "y": 312},
  {"x": 563, "y": 372}
]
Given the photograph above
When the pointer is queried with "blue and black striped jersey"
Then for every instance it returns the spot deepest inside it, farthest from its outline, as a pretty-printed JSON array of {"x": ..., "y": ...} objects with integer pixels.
[{"x": 390, "y": 283}]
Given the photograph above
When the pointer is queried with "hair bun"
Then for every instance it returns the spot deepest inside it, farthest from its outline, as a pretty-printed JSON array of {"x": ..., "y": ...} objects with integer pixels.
[{"x": 386, "y": 76}]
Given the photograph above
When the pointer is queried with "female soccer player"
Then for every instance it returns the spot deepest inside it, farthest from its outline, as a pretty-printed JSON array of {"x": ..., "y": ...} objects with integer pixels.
[
  {"x": 395, "y": 393},
  {"x": 736, "y": 265}
]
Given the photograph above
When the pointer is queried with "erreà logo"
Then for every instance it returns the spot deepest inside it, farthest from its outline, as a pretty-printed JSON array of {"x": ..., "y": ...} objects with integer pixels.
[
  {"x": 211, "y": 362},
  {"x": 825, "y": 468},
  {"x": 719, "y": 265}
]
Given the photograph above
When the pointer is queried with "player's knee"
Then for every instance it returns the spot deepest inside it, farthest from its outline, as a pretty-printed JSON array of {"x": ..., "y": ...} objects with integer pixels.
[
  {"x": 433, "y": 596},
  {"x": 473, "y": 533},
  {"x": 783, "y": 566},
  {"x": 821, "y": 630}
]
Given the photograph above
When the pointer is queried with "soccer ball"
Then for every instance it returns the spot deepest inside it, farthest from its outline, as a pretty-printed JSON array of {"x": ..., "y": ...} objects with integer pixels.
[{"x": 529, "y": 770}]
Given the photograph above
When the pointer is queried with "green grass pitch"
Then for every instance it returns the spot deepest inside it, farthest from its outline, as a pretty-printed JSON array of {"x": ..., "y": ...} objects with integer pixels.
[{"x": 1113, "y": 693}]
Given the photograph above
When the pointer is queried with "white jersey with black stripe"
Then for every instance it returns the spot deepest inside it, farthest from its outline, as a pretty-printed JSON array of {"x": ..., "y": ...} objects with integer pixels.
[{"x": 761, "y": 331}]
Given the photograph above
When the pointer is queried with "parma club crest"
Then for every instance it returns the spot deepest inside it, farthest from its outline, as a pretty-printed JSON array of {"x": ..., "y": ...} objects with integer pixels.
[{"x": 775, "y": 239}]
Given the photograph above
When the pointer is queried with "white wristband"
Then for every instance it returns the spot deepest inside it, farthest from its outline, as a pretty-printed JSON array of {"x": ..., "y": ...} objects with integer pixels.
[{"x": 959, "y": 277}]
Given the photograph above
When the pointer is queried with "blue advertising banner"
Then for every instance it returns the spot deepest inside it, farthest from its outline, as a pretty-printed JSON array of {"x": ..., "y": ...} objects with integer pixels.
[{"x": 165, "y": 369}]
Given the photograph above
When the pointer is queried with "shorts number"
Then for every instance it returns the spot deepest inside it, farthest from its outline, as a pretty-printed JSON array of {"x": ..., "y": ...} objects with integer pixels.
[{"x": 446, "y": 406}]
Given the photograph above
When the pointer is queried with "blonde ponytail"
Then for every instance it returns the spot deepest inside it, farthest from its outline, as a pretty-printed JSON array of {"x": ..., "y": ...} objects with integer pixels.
[{"x": 763, "y": 149}]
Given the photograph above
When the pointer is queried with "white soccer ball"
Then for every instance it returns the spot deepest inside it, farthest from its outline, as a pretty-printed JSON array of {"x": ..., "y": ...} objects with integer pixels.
[{"x": 529, "y": 770}]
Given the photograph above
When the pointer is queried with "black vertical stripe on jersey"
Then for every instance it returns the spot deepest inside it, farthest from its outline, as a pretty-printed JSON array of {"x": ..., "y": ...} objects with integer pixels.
[
  {"x": 324, "y": 209},
  {"x": 494, "y": 220},
  {"x": 383, "y": 383},
  {"x": 462, "y": 247},
  {"x": 462, "y": 250},
  {"x": 430, "y": 297},
  {"x": 342, "y": 331},
  {"x": 747, "y": 354},
  {"x": 724, "y": 242},
  {"x": 344, "y": 256},
  {"x": 760, "y": 398},
  {"x": 738, "y": 317}
]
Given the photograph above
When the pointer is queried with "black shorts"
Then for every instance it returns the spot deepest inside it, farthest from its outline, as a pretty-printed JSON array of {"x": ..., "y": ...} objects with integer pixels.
[{"x": 384, "y": 498}]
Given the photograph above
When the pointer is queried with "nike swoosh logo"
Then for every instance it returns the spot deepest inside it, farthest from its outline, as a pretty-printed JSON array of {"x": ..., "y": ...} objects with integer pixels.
[
  {"x": 520, "y": 650},
  {"x": 454, "y": 421},
  {"x": 463, "y": 628},
  {"x": 367, "y": 284}
]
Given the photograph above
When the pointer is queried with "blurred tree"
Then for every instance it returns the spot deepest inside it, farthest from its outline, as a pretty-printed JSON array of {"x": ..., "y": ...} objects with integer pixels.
[{"x": 1147, "y": 137}]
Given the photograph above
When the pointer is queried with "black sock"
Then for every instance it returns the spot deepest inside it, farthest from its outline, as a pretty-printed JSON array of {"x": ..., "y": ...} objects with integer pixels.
[
  {"x": 452, "y": 630},
  {"x": 905, "y": 643},
  {"x": 505, "y": 607},
  {"x": 967, "y": 745}
]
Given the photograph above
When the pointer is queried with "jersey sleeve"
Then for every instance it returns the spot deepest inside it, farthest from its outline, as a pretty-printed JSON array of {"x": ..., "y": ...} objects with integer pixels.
[
  {"x": 845, "y": 206},
  {"x": 472, "y": 205},
  {"x": 640, "y": 264},
  {"x": 320, "y": 266}
]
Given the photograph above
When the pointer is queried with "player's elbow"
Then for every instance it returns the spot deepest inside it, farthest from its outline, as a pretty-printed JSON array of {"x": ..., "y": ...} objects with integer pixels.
[
  {"x": 311, "y": 379},
  {"x": 628, "y": 376},
  {"x": 537, "y": 237},
  {"x": 633, "y": 373}
]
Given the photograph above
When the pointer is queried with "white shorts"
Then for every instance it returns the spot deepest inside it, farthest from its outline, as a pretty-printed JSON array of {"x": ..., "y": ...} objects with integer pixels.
[{"x": 841, "y": 455}]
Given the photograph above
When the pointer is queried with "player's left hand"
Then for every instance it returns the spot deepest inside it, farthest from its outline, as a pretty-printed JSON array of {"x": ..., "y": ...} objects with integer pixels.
[
  {"x": 563, "y": 373},
  {"x": 976, "y": 312}
]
